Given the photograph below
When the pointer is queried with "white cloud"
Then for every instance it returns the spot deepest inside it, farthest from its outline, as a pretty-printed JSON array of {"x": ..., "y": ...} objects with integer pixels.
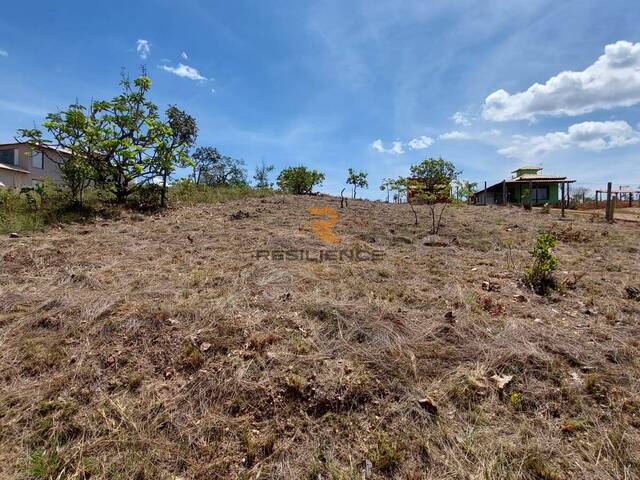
[
  {"x": 420, "y": 143},
  {"x": 184, "y": 71},
  {"x": 460, "y": 118},
  {"x": 3, "y": 53},
  {"x": 612, "y": 81},
  {"x": 592, "y": 136},
  {"x": 396, "y": 147},
  {"x": 455, "y": 135},
  {"x": 184, "y": 55},
  {"x": 143, "y": 47}
]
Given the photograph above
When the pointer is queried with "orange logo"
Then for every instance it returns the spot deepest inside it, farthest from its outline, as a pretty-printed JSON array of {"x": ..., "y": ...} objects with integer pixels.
[{"x": 323, "y": 227}]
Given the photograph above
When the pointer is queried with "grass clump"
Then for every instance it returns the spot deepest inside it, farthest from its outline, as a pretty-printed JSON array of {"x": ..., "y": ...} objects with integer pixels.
[
  {"x": 45, "y": 464},
  {"x": 189, "y": 192},
  {"x": 387, "y": 454}
]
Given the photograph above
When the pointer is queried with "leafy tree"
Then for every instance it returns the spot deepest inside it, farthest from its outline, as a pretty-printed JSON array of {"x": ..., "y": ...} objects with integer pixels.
[
  {"x": 357, "y": 179},
  {"x": 466, "y": 189},
  {"x": 299, "y": 180},
  {"x": 224, "y": 171},
  {"x": 262, "y": 175},
  {"x": 121, "y": 144},
  {"x": 386, "y": 186},
  {"x": 204, "y": 159},
  {"x": 431, "y": 181},
  {"x": 398, "y": 185}
]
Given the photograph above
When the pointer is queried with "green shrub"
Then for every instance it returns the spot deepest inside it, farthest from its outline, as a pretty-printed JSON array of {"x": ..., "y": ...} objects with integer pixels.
[
  {"x": 540, "y": 275},
  {"x": 299, "y": 180},
  {"x": 31, "y": 209},
  {"x": 187, "y": 191}
]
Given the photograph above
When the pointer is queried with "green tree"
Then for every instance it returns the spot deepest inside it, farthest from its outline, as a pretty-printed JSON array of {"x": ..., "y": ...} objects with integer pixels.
[
  {"x": 204, "y": 160},
  {"x": 398, "y": 185},
  {"x": 299, "y": 180},
  {"x": 431, "y": 181},
  {"x": 466, "y": 189},
  {"x": 357, "y": 179},
  {"x": 262, "y": 175},
  {"x": 122, "y": 144},
  {"x": 173, "y": 148},
  {"x": 386, "y": 186}
]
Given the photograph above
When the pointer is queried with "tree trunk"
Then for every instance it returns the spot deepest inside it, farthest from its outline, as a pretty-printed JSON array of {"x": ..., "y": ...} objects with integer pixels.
[{"x": 163, "y": 196}]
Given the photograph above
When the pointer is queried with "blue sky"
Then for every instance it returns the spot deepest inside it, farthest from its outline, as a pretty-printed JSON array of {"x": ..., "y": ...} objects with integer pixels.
[{"x": 333, "y": 84}]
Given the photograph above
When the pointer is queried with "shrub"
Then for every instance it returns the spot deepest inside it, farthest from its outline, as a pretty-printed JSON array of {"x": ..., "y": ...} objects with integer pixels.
[
  {"x": 186, "y": 190},
  {"x": 299, "y": 180},
  {"x": 540, "y": 275}
]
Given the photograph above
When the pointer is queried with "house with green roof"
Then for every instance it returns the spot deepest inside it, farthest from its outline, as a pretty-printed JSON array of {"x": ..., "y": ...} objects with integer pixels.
[{"x": 527, "y": 186}]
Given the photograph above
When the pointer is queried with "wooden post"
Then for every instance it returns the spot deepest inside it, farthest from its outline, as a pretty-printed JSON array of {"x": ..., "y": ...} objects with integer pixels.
[
  {"x": 630, "y": 200},
  {"x": 504, "y": 192},
  {"x": 608, "y": 214},
  {"x": 568, "y": 194},
  {"x": 529, "y": 195},
  {"x": 485, "y": 193},
  {"x": 562, "y": 200}
]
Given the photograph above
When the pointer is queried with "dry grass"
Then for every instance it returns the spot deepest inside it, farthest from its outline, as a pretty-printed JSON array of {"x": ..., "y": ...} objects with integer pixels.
[{"x": 158, "y": 347}]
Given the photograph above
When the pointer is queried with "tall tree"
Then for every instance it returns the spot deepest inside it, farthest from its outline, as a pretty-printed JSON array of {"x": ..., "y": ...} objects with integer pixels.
[
  {"x": 431, "y": 181},
  {"x": 204, "y": 160},
  {"x": 262, "y": 175},
  {"x": 175, "y": 145},
  {"x": 386, "y": 186},
  {"x": 357, "y": 179},
  {"x": 122, "y": 142}
]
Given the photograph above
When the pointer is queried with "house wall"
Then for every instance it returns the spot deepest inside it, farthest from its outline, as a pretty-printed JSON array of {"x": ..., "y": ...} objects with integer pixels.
[
  {"x": 13, "y": 179},
  {"x": 17, "y": 179},
  {"x": 521, "y": 193}
]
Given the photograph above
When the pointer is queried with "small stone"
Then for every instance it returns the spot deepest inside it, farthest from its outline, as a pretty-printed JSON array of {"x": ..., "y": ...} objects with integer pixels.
[
  {"x": 205, "y": 346},
  {"x": 520, "y": 298},
  {"x": 13, "y": 235}
]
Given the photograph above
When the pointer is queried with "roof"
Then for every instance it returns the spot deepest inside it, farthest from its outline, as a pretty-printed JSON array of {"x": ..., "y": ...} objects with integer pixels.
[
  {"x": 527, "y": 167},
  {"x": 528, "y": 177},
  {"x": 4, "y": 166},
  {"x": 49, "y": 147}
]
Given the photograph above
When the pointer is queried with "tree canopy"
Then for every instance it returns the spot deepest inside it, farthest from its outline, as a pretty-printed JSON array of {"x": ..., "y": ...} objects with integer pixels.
[
  {"x": 119, "y": 144},
  {"x": 357, "y": 179},
  {"x": 299, "y": 180}
]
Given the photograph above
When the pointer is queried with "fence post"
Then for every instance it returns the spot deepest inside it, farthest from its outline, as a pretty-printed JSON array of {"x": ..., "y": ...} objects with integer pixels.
[
  {"x": 504, "y": 192},
  {"x": 485, "y": 193},
  {"x": 530, "y": 189},
  {"x": 562, "y": 201},
  {"x": 609, "y": 210}
]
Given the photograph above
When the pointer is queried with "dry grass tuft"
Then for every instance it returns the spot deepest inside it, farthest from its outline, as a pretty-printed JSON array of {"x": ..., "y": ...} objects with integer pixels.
[{"x": 160, "y": 347}]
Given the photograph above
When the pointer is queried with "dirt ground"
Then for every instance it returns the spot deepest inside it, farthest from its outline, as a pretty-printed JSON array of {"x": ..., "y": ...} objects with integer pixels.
[{"x": 161, "y": 347}]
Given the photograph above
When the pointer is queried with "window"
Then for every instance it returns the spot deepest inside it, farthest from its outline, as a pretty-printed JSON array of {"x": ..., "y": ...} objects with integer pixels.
[
  {"x": 540, "y": 194},
  {"x": 37, "y": 160},
  {"x": 9, "y": 157}
]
